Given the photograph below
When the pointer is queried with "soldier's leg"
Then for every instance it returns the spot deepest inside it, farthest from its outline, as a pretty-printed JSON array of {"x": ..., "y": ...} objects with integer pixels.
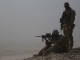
[
  {"x": 55, "y": 49},
  {"x": 70, "y": 37},
  {"x": 51, "y": 49},
  {"x": 66, "y": 34},
  {"x": 67, "y": 43},
  {"x": 43, "y": 50},
  {"x": 65, "y": 30},
  {"x": 71, "y": 42}
]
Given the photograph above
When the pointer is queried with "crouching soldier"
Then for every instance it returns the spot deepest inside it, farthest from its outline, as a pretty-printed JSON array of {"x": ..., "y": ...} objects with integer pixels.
[{"x": 61, "y": 43}]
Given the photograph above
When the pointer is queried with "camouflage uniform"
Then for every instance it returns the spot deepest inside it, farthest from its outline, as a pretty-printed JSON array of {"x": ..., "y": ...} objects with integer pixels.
[
  {"x": 67, "y": 24},
  {"x": 61, "y": 45},
  {"x": 48, "y": 41}
]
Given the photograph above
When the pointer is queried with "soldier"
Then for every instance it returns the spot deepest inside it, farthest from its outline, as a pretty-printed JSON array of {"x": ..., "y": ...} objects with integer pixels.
[
  {"x": 50, "y": 40},
  {"x": 59, "y": 45},
  {"x": 67, "y": 22}
]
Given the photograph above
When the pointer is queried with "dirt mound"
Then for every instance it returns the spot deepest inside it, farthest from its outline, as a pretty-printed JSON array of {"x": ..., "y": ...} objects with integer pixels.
[{"x": 74, "y": 54}]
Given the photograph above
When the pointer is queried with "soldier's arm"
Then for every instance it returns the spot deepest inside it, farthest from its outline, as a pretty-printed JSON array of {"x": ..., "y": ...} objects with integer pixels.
[
  {"x": 61, "y": 20},
  {"x": 73, "y": 13},
  {"x": 63, "y": 16}
]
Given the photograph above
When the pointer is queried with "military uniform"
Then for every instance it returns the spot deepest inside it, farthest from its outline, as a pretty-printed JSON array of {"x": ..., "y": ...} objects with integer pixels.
[
  {"x": 67, "y": 24},
  {"x": 61, "y": 45},
  {"x": 57, "y": 43}
]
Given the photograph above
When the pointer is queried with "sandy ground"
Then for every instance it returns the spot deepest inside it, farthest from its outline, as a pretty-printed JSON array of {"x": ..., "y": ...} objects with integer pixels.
[
  {"x": 72, "y": 55},
  {"x": 16, "y": 57}
]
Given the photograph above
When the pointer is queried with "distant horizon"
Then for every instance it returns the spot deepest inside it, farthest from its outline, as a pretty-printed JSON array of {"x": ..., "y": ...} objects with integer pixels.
[{"x": 22, "y": 20}]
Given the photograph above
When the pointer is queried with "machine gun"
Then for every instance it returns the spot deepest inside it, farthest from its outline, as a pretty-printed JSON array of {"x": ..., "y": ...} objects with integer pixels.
[{"x": 45, "y": 36}]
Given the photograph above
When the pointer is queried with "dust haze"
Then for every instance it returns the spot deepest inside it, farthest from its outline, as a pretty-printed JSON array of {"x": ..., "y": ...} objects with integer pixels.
[{"x": 22, "y": 20}]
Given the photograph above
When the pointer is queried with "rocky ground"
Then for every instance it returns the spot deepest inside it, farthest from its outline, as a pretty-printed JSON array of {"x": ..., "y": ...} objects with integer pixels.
[{"x": 74, "y": 54}]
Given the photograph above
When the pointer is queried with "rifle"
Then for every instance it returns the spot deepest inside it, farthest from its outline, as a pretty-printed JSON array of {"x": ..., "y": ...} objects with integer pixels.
[{"x": 45, "y": 36}]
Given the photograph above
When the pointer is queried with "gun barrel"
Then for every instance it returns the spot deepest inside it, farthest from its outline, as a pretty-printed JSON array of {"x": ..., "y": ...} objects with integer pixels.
[{"x": 38, "y": 36}]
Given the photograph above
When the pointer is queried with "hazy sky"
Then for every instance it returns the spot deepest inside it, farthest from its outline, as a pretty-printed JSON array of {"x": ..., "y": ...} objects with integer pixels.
[{"x": 22, "y": 20}]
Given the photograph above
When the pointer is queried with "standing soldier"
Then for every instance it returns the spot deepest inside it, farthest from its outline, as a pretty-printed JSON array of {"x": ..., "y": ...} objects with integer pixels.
[{"x": 67, "y": 23}]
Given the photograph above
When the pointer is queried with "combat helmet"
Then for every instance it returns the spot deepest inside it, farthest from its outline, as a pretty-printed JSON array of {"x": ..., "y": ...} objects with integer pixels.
[
  {"x": 66, "y": 4},
  {"x": 55, "y": 32}
]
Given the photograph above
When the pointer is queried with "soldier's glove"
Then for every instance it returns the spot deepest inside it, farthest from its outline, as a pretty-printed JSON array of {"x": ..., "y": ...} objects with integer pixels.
[
  {"x": 52, "y": 44},
  {"x": 43, "y": 36}
]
